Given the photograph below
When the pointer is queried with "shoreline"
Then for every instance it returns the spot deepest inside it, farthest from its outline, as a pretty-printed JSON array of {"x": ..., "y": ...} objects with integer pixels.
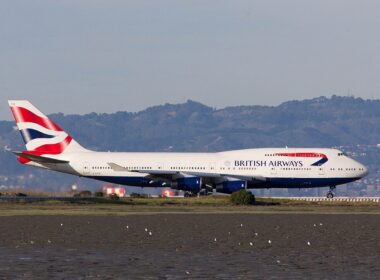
[{"x": 160, "y": 206}]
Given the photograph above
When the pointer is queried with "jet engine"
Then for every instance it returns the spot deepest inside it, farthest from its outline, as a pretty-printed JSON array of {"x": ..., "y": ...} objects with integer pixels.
[
  {"x": 189, "y": 184},
  {"x": 230, "y": 186}
]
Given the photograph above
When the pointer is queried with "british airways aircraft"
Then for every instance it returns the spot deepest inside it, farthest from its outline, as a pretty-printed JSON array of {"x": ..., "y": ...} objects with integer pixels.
[{"x": 49, "y": 147}]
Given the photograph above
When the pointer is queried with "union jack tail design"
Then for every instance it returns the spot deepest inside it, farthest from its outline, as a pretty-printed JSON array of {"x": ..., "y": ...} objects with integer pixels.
[{"x": 41, "y": 135}]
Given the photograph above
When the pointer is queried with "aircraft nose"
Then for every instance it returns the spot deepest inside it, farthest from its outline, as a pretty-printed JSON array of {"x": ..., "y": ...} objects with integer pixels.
[{"x": 364, "y": 171}]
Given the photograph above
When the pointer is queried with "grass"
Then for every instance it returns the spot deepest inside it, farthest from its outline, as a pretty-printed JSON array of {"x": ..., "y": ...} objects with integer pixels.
[{"x": 202, "y": 205}]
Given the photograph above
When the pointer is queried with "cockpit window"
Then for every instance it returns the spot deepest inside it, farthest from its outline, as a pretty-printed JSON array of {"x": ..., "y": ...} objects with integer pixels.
[{"x": 341, "y": 154}]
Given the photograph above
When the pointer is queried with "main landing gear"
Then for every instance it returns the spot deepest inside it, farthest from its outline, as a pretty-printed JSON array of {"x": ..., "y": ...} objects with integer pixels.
[{"x": 330, "y": 193}]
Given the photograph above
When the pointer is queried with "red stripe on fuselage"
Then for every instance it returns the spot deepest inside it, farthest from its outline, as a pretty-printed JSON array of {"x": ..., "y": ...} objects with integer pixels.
[
  {"x": 312, "y": 155},
  {"x": 23, "y": 115}
]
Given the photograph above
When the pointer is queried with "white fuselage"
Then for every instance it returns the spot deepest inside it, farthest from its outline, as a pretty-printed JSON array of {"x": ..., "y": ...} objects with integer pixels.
[{"x": 269, "y": 167}]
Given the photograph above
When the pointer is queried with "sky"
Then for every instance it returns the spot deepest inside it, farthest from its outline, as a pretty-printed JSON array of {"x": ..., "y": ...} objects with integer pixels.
[{"x": 107, "y": 56}]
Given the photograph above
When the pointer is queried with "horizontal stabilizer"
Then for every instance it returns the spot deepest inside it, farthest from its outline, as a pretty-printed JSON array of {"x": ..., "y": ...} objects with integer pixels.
[{"x": 38, "y": 159}]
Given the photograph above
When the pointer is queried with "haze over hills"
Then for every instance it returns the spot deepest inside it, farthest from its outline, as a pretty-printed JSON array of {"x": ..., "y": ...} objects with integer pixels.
[{"x": 347, "y": 122}]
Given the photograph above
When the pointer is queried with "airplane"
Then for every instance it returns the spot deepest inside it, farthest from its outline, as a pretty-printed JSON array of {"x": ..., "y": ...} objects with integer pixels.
[{"x": 50, "y": 147}]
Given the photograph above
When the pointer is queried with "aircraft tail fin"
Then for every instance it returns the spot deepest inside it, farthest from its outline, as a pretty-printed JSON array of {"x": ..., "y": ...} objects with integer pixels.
[{"x": 41, "y": 135}]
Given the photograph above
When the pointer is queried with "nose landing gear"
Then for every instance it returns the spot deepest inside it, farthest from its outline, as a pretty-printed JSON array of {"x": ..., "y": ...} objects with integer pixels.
[{"x": 330, "y": 193}]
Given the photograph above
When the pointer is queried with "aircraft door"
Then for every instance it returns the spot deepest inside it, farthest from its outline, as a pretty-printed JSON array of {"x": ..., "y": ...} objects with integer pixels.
[
  {"x": 321, "y": 170},
  {"x": 273, "y": 170},
  {"x": 86, "y": 168},
  {"x": 161, "y": 166},
  {"x": 212, "y": 167}
]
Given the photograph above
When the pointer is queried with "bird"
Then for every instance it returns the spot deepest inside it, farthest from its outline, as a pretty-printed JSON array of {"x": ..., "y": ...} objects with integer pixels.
[
  {"x": 308, "y": 243},
  {"x": 250, "y": 243},
  {"x": 150, "y": 233},
  {"x": 269, "y": 241},
  {"x": 215, "y": 239},
  {"x": 146, "y": 229}
]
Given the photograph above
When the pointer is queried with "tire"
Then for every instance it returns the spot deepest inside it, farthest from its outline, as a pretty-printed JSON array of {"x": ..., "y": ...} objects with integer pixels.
[{"x": 330, "y": 195}]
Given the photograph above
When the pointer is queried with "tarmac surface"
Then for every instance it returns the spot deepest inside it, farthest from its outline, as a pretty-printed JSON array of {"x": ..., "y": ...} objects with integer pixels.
[{"x": 191, "y": 246}]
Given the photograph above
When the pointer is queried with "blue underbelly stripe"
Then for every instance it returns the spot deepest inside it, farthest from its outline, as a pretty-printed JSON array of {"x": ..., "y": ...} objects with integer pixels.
[{"x": 269, "y": 183}]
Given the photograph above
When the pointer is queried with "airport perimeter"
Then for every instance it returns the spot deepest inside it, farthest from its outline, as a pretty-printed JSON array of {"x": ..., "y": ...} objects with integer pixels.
[{"x": 331, "y": 200}]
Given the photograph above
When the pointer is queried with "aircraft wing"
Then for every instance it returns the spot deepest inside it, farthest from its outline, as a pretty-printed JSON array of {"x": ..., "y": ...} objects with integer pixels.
[
  {"x": 257, "y": 178},
  {"x": 170, "y": 176},
  {"x": 117, "y": 167},
  {"x": 154, "y": 175},
  {"x": 161, "y": 175}
]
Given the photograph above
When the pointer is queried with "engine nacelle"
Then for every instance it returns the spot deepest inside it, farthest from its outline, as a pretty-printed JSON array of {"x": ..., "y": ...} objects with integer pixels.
[
  {"x": 231, "y": 186},
  {"x": 190, "y": 184}
]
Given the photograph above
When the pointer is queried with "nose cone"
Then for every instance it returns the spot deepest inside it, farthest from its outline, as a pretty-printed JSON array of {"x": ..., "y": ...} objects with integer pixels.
[{"x": 364, "y": 171}]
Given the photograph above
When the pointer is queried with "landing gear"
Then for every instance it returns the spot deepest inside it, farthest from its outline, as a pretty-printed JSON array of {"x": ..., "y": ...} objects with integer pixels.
[
  {"x": 330, "y": 193},
  {"x": 189, "y": 194},
  {"x": 206, "y": 190}
]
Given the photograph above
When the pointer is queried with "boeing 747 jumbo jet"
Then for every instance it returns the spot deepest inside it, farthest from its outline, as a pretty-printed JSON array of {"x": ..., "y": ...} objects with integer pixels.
[{"x": 49, "y": 147}]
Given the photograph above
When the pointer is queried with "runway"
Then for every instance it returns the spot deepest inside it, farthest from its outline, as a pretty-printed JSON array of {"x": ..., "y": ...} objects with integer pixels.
[
  {"x": 191, "y": 246},
  {"x": 96, "y": 199},
  {"x": 332, "y": 200}
]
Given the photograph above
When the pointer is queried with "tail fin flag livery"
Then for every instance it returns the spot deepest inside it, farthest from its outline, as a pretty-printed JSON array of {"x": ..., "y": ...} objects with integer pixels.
[
  {"x": 49, "y": 146},
  {"x": 40, "y": 134}
]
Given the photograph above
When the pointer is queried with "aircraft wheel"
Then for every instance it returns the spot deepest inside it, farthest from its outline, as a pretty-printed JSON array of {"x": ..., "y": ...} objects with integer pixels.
[
  {"x": 188, "y": 194},
  {"x": 330, "y": 195}
]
